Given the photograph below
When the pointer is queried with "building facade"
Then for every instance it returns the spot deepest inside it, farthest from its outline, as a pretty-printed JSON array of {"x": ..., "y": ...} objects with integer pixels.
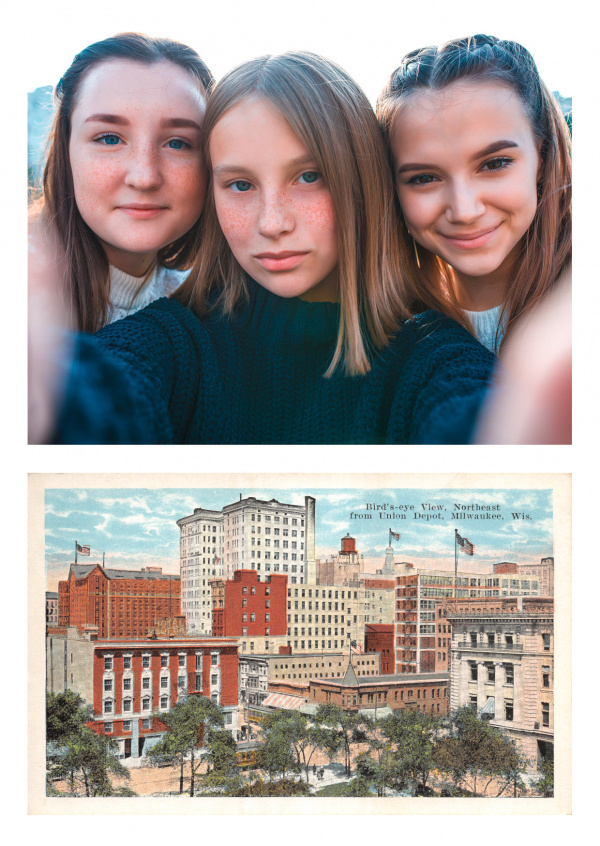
[
  {"x": 380, "y": 638},
  {"x": 119, "y": 603},
  {"x": 502, "y": 666},
  {"x": 251, "y": 534},
  {"x": 247, "y": 606},
  {"x": 129, "y": 683},
  {"x": 420, "y": 644},
  {"x": 51, "y": 609},
  {"x": 343, "y": 568}
]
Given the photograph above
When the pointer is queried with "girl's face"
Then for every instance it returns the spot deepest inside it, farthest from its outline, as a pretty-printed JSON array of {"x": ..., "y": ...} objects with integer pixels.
[
  {"x": 466, "y": 167},
  {"x": 136, "y": 159},
  {"x": 273, "y": 205}
]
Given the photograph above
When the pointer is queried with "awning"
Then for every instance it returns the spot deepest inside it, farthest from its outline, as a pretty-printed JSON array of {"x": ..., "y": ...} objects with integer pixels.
[
  {"x": 488, "y": 709},
  {"x": 285, "y": 701}
]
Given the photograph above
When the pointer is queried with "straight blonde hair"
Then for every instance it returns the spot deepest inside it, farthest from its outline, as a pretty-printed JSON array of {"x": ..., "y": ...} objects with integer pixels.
[
  {"x": 545, "y": 250},
  {"x": 336, "y": 123}
]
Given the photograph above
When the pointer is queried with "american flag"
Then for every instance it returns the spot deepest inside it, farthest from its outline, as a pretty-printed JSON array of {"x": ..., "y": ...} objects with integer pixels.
[
  {"x": 356, "y": 648},
  {"x": 467, "y": 546},
  {"x": 83, "y": 550},
  {"x": 395, "y": 535}
]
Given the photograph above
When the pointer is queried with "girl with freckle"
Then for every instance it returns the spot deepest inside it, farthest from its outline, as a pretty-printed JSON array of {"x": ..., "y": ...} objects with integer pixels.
[
  {"x": 293, "y": 326},
  {"x": 480, "y": 153},
  {"x": 124, "y": 181}
]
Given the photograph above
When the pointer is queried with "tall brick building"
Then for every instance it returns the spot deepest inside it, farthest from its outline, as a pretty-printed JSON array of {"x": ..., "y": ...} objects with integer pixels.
[
  {"x": 120, "y": 603},
  {"x": 129, "y": 682},
  {"x": 245, "y": 606}
]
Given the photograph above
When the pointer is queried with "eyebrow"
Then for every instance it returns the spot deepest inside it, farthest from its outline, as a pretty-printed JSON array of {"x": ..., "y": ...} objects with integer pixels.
[
  {"x": 119, "y": 120},
  {"x": 495, "y": 147},
  {"x": 291, "y": 165}
]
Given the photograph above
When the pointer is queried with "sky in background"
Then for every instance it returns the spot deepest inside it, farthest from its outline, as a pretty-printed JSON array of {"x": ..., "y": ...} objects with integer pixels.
[
  {"x": 137, "y": 527},
  {"x": 368, "y": 39}
]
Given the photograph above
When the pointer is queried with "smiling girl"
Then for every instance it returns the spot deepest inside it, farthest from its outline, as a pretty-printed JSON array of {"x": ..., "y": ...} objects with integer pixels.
[
  {"x": 481, "y": 160},
  {"x": 292, "y": 325},
  {"x": 124, "y": 182}
]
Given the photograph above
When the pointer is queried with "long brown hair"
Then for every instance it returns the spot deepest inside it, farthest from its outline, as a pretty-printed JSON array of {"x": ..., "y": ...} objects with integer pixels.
[
  {"x": 335, "y": 122},
  {"x": 86, "y": 262},
  {"x": 546, "y": 246}
]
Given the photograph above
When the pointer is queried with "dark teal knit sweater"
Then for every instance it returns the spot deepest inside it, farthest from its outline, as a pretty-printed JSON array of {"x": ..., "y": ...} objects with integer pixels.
[{"x": 164, "y": 376}]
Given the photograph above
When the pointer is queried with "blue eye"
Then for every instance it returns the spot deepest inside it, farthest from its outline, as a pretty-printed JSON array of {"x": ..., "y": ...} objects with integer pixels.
[
  {"x": 310, "y": 177},
  {"x": 241, "y": 186},
  {"x": 178, "y": 144},
  {"x": 108, "y": 139},
  {"x": 421, "y": 179}
]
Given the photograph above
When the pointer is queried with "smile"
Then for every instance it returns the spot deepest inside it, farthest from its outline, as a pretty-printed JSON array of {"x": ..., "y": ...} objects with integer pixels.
[
  {"x": 471, "y": 240},
  {"x": 286, "y": 260},
  {"x": 142, "y": 211}
]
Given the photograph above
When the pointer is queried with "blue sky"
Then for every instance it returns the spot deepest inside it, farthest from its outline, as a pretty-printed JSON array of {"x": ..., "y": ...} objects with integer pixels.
[{"x": 136, "y": 527}]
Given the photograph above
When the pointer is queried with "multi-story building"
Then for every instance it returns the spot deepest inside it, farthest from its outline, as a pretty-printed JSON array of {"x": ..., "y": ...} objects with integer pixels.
[
  {"x": 427, "y": 692},
  {"x": 119, "y": 603},
  {"x": 129, "y": 683},
  {"x": 380, "y": 638},
  {"x": 248, "y": 607},
  {"x": 51, "y": 609},
  {"x": 502, "y": 666},
  {"x": 251, "y": 534},
  {"x": 543, "y": 572},
  {"x": 418, "y": 593},
  {"x": 263, "y": 674}
]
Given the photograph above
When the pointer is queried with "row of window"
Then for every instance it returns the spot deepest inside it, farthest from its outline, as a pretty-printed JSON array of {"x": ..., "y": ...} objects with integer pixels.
[{"x": 164, "y": 660}]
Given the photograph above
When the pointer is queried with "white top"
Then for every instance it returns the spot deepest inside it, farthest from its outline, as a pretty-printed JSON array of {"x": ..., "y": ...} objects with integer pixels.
[
  {"x": 485, "y": 327},
  {"x": 123, "y": 297}
]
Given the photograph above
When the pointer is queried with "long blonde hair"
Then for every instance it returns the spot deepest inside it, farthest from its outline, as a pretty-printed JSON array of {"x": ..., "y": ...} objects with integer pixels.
[
  {"x": 335, "y": 122},
  {"x": 546, "y": 246}
]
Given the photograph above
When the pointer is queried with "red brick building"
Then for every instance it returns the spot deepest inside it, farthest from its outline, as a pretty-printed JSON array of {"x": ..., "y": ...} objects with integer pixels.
[
  {"x": 129, "y": 682},
  {"x": 121, "y": 603},
  {"x": 427, "y": 692},
  {"x": 246, "y": 606},
  {"x": 380, "y": 584},
  {"x": 380, "y": 638}
]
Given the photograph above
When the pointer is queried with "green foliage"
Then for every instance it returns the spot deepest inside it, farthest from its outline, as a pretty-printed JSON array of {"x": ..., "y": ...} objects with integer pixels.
[
  {"x": 289, "y": 742},
  {"x": 479, "y": 750},
  {"x": 79, "y": 756},
  {"x": 545, "y": 784},
  {"x": 357, "y": 787},
  {"x": 186, "y": 722},
  {"x": 66, "y": 715},
  {"x": 412, "y": 733},
  {"x": 283, "y": 787}
]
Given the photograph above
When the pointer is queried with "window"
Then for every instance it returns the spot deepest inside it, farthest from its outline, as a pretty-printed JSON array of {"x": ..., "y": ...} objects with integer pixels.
[
  {"x": 108, "y": 684},
  {"x": 473, "y": 669},
  {"x": 214, "y": 679},
  {"x": 214, "y": 659},
  {"x": 509, "y": 671},
  {"x": 164, "y": 660},
  {"x": 508, "y": 710},
  {"x": 491, "y": 639},
  {"x": 509, "y": 641},
  {"x": 546, "y": 639},
  {"x": 146, "y": 703},
  {"x": 164, "y": 682},
  {"x": 491, "y": 673},
  {"x": 108, "y": 727},
  {"x": 126, "y": 662},
  {"x": 473, "y": 703},
  {"x": 473, "y": 636},
  {"x": 127, "y": 683},
  {"x": 145, "y": 661},
  {"x": 545, "y": 714},
  {"x": 108, "y": 662},
  {"x": 146, "y": 683},
  {"x": 182, "y": 660},
  {"x": 108, "y": 706},
  {"x": 126, "y": 705},
  {"x": 546, "y": 676},
  {"x": 126, "y": 725},
  {"x": 147, "y": 723},
  {"x": 164, "y": 702}
]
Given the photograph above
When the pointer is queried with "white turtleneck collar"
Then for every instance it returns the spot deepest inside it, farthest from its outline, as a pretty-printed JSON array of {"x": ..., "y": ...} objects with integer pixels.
[{"x": 129, "y": 294}]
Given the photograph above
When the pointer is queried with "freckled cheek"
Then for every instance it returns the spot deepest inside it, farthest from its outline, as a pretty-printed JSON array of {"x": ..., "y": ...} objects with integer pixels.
[
  {"x": 188, "y": 186},
  {"x": 237, "y": 223},
  {"x": 93, "y": 180},
  {"x": 318, "y": 216}
]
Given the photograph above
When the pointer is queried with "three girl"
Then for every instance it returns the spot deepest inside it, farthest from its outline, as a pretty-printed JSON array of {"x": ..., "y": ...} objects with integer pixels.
[
  {"x": 481, "y": 159},
  {"x": 124, "y": 182}
]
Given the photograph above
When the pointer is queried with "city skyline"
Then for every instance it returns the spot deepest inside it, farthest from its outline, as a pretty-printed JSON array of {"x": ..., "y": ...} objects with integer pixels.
[{"x": 136, "y": 527}]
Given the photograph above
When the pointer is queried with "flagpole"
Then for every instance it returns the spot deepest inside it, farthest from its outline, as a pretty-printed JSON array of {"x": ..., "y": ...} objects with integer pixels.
[
  {"x": 76, "y": 552},
  {"x": 455, "y": 561}
]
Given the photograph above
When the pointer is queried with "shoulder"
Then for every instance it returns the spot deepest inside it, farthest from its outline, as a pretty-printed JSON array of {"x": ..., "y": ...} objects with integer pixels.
[{"x": 167, "y": 280}]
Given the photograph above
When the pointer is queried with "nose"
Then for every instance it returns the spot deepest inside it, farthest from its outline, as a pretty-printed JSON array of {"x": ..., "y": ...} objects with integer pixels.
[
  {"x": 275, "y": 215},
  {"x": 144, "y": 171},
  {"x": 464, "y": 203}
]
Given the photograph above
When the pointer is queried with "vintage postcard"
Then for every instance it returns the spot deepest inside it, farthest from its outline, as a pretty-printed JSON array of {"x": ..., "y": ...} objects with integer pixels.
[{"x": 338, "y": 643}]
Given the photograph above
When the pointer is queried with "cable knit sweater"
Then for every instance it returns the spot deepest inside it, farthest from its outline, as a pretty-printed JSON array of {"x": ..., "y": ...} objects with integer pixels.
[
  {"x": 256, "y": 377},
  {"x": 126, "y": 296}
]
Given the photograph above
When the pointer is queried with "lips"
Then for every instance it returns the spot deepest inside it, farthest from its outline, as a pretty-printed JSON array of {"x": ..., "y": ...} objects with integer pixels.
[
  {"x": 142, "y": 210},
  {"x": 284, "y": 260},
  {"x": 471, "y": 240}
]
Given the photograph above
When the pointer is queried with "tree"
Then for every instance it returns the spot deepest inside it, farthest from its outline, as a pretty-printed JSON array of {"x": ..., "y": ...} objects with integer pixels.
[
  {"x": 189, "y": 723},
  {"x": 290, "y": 741},
  {"x": 545, "y": 784},
  {"x": 222, "y": 776},
  {"x": 345, "y": 729},
  {"x": 412, "y": 733},
  {"x": 78, "y": 753},
  {"x": 478, "y": 750}
]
